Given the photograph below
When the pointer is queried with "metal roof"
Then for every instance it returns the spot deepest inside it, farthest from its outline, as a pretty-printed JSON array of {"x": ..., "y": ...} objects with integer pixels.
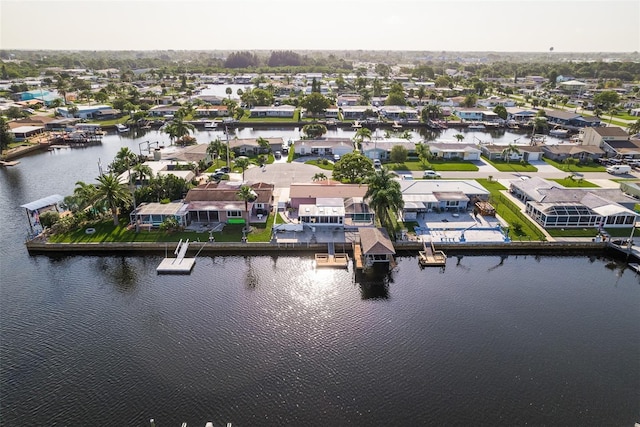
[{"x": 43, "y": 203}]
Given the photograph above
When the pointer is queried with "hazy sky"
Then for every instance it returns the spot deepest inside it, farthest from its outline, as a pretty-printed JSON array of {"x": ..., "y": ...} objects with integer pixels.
[{"x": 430, "y": 25}]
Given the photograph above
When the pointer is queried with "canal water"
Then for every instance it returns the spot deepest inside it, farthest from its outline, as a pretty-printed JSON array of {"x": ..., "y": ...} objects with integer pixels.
[{"x": 268, "y": 340}]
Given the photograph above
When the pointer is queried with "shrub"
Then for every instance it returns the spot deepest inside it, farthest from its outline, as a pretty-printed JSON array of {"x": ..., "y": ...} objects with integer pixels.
[
  {"x": 170, "y": 225},
  {"x": 49, "y": 218}
]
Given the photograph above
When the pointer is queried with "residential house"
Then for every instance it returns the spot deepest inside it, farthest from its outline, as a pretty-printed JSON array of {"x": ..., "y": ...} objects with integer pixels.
[
  {"x": 163, "y": 110},
  {"x": 424, "y": 196},
  {"x": 598, "y": 136},
  {"x": 553, "y": 206},
  {"x": 356, "y": 112},
  {"x": 455, "y": 150},
  {"x": 22, "y": 133},
  {"x": 212, "y": 111},
  {"x": 280, "y": 111},
  {"x": 323, "y": 147},
  {"x": 628, "y": 149},
  {"x": 560, "y": 152},
  {"x": 493, "y": 101},
  {"x": 381, "y": 149},
  {"x": 348, "y": 100},
  {"x": 526, "y": 153},
  {"x": 399, "y": 113},
  {"x": 520, "y": 115},
  {"x": 84, "y": 111},
  {"x": 376, "y": 247},
  {"x": 331, "y": 203},
  {"x": 219, "y": 202},
  {"x": 469, "y": 114},
  {"x": 251, "y": 147}
]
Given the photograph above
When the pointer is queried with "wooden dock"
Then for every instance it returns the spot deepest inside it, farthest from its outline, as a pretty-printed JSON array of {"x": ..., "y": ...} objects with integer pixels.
[
  {"x": 357, "y": 256},
  {"x": 429, "y": 257},
  {"x": 332, "y": 261}
]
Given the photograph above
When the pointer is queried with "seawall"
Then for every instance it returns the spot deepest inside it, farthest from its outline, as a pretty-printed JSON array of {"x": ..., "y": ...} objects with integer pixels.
[{"x": 229, "y": 248}]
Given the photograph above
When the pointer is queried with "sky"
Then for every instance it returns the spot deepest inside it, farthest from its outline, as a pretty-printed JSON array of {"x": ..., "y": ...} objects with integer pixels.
[{"x": 422, "y": 25}]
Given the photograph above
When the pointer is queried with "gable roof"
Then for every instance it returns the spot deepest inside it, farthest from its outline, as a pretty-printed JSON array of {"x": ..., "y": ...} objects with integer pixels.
[
  {"x": 213, "y": 192},
  {"x": 611, "y": 131},
  {"x": 375, "y": 241}
]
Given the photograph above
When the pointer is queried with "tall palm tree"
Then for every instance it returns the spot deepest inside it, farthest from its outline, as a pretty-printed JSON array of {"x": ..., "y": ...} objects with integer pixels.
[
  {"x": 361, "y": 134},
  {"x": 539, "y": 123},
  {"x": 62, "y": 86},
  {"x": 242, "y": 163},
  {"x": 383, "y": 195},
  {"x": 634, "y": 128},
  {"x": 319, "y": 177},
  {"x": 141, "y": 172},
  {"x": 214, "y": 149},
  {"x": 177, "y": 129},
  {"x": 82, "y": 198},
  {"x": 112, "y": 192},
  {"x": 459, "y": 137},
  {"x": 264, "y": 144},
  {"x": 424, "y": 153},
  {"x": 247, "y": 194},
  {"x": 507, "y": 152}
]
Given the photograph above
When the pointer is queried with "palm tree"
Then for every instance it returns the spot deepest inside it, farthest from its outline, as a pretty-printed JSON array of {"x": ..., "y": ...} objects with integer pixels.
[
  {"x": 383, "y": 195},
  {"x": 142, "y": 171},
  {"x": 112, "y": 192},
  {"x": 319, "y": 177},
  {"x": 82, "y": 198},
  {"x": 539, "y": 122},
  {"x": 424, "y": 153},
  {"x": 634, "y": 128},
  {"x": 459, "y": 137},
  {"x": 264, "y": 144},
  {"x": 246, "y": 194},
  {"x": 228, "y": 91},
  {"x": 362, "y": 134},
  {"x": 177, "y": 129},
  {"x": 242, "y": 163},
  {"x": 214, "y": 149},
  {"x": 62, "y": 86},
  {"x": 507, "y": 152}
]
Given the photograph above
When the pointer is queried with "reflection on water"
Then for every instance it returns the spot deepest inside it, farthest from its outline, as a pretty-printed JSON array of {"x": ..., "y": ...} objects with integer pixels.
[{"x": 118, "y": 271}]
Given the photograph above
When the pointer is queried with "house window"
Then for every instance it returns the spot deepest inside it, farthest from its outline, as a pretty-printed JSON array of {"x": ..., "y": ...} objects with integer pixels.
[{"x": 234, "y": 214}]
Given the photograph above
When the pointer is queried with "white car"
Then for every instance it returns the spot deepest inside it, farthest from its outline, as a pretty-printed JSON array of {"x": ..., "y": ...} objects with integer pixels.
[{"x": 429, "y": 174}]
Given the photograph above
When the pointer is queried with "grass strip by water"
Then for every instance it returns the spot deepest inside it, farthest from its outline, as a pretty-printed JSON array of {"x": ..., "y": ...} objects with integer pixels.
[{"x": 521, "y": 227}]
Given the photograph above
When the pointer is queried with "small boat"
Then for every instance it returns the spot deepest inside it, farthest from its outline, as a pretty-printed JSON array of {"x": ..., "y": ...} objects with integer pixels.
[
  {"x": 396, "y": 125},
  {"x": 635, "y": 267},
  {"x": 356, "y": 125},
  {"x": 476, "y": 126},
  {"x": 559, "y": 133},
  {"x": 210, "y": 125},
  {"x": 122, "y": 128}
]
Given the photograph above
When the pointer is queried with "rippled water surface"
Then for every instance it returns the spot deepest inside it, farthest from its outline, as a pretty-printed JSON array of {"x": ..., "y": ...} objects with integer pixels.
[{"x": 268, "y": 340}]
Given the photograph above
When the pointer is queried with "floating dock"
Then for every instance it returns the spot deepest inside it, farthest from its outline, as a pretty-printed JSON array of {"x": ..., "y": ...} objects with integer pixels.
[{"x": 179, "y": 264}]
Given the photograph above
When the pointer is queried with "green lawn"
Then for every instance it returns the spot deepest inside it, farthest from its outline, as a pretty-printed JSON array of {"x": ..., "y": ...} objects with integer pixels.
[
  {"x": 580, "y": 167},
  {"x": 439, "y": 165},
  {"x": 588, "y": 232},
  {"x": 106, "y": 232},
  {"x": 321, "y": 164},
  {"x": 111, "y": 122},
  {"x": 574, "y": 183},
  {"x": 511, "y": 213},
  {"x": 503, "y": 166}
]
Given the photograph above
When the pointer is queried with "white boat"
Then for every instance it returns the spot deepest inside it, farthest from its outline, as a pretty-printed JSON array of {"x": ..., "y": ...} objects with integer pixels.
[
  {"x": 635, "y": 267},
  {"x": 121, "y": 128},
  {"x": 559, "y": 133},
  {"x": 210, "y": 125},
  {"x": 476, "y": 126}
]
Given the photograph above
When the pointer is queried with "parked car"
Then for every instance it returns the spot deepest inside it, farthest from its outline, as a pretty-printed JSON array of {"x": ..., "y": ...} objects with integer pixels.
[
  {"x": 217, "y": 176},
  {"x": 222, "y": 170},
  {"x": 429, "y": 174},
  {"x": 277, "y": 154},
  {"x": 336, "y": 157},
  {"x": 377, "y": 163}
]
